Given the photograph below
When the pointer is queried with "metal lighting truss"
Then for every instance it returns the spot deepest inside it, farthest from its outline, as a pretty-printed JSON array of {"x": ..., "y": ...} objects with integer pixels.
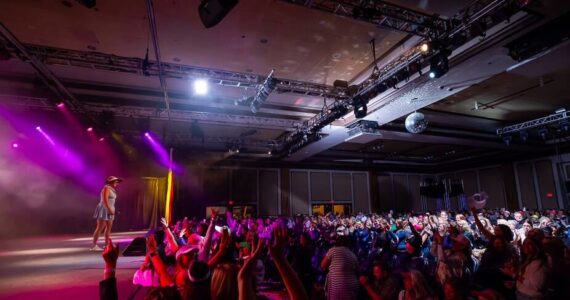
[
  {"x": 135, "y": 65},
  {"x": 45, "y": 74},
  {"x": 557, "y": 117},
  {"x": 390, "y": 74},
  {"x": 382, "y": 14},
  {"x": 186, "y": 138},
  {"x": 263, "y": 92},
  {"x": 152, "y": 113},
  {"x": 476, "y": 12}
]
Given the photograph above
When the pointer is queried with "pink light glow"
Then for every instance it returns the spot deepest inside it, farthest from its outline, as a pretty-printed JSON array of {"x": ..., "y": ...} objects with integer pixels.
[
  {"x": 15, "y": 145},
  {"x": 38, "y": 128},
  {"x": 101, "y": 139},
  {"x": 89, "y": 129},
  {"x": 61, "y": 105}
]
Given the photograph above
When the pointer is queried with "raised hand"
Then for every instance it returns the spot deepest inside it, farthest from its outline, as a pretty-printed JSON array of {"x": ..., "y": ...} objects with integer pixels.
[
  {"x": 111, "y": 254},
  {"x": 151, "y": 244},
  {"x": 225, "y": 240},
  {"x": 164, "y": 222},
  {"x": 280, "y": 239},
  {"x": 257, "y": 246}
]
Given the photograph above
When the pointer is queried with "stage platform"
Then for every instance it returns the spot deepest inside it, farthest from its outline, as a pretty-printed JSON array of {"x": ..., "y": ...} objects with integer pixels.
[{"x": 62, "y": 267}]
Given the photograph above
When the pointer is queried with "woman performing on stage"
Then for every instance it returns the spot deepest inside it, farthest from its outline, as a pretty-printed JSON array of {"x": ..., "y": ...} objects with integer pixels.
[{"x": 105, "y": 211}]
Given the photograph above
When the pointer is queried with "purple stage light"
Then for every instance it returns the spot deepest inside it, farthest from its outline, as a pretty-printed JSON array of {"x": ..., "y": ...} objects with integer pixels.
[
  {"x": 101, "y": 139},
  {"x": 61, "y": 105},
  {"x": 15, "y": 145},
  {"x": 163, "y": 156},
  {"x": 90, "y": 129},
  {"x": 45, "y": 135}
]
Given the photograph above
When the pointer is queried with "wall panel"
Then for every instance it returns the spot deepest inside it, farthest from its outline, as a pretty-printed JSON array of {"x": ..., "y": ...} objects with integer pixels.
[
  {"x": 385, "y": 193},
  {"x": 469, "y": 182},
  {"x": 491, "y": 180},
  {"x": 545, "y": 180},
  {"x": 268, "y": 192},
  {"x": 414, "y": 191},
  {"x": 342, "y": 187},
  {"x": 299, "y": 199},
  {"x": 217, "y": 185},
  {"x": 244, "y": 186},
  {"x": 361, "y": 195},
  {"x": 401, "y": 193},
  {"x": 526, "y": 186},
  {"x": 320, "y": 186}
]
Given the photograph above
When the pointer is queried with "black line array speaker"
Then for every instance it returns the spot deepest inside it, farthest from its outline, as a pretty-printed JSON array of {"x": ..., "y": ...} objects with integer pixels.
[{"x": 213, "y": 11}]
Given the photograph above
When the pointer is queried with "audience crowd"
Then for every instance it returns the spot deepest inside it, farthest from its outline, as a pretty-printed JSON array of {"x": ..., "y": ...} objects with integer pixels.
[{"x": 477, "y": 254}]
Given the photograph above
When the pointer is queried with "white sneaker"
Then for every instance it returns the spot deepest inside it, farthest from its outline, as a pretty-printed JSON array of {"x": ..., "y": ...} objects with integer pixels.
[{"x": 96, "y": 248}]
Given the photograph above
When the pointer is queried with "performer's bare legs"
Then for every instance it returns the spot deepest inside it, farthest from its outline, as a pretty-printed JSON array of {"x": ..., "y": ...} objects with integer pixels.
[
  {"x": 108, "y": 226},
  {"x": 100, "y": 227}
]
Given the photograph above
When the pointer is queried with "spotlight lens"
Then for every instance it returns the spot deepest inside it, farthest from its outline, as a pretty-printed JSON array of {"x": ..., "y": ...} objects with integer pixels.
[
  {"x": 424, "y": 47},
  {"x": 15, "y": 145},
  {"x": 432, "y": 75},
  {"x": 38, "y": 128},
  {"x": 146, "y": 134},
  {"x": 200, "y": 87}
]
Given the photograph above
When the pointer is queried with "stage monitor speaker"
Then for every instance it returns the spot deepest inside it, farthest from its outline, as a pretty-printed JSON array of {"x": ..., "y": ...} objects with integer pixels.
[
  {"x": 213, "y": 11},
  {"x": 136, "y": 248}
]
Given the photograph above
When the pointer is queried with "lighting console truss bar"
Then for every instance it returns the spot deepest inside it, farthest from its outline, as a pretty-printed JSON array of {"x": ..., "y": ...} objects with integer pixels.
[
  {"x": 382, "y": 14},
  {"x": 153, "y": 113},
  {"x": 134, "y": 65},
  {"x": 534, "y": 123}
]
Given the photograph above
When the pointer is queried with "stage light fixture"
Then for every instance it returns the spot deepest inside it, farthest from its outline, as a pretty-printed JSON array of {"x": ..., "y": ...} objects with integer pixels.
[
  {"x": 507, "y": 139},
  {"x": 200, "y": 87},
  {"x": 146, "y": 134},
  {"x": 543, "y": 133},
  {"x": 15, "y": 145},
  {"x": 565, "y": 126},
  {"x": 268, "y": 152},
  {"x": 38, "y": 128},
  {"x": 426, "y": 47},
  {"x": 438, "y": 65},
  {"x": 523, "y": 135},
  {"x": 89, "y": 129},
  {"x": 213, "y": 12},
  {"x": 360, "y": 108}
]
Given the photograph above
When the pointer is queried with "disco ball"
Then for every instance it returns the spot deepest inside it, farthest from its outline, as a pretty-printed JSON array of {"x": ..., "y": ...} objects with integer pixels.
[{"x": 416, "y": 122}]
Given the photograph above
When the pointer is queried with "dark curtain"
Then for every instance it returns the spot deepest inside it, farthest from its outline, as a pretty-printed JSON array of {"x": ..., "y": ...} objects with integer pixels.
[{"x": 151, "y": 201}]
